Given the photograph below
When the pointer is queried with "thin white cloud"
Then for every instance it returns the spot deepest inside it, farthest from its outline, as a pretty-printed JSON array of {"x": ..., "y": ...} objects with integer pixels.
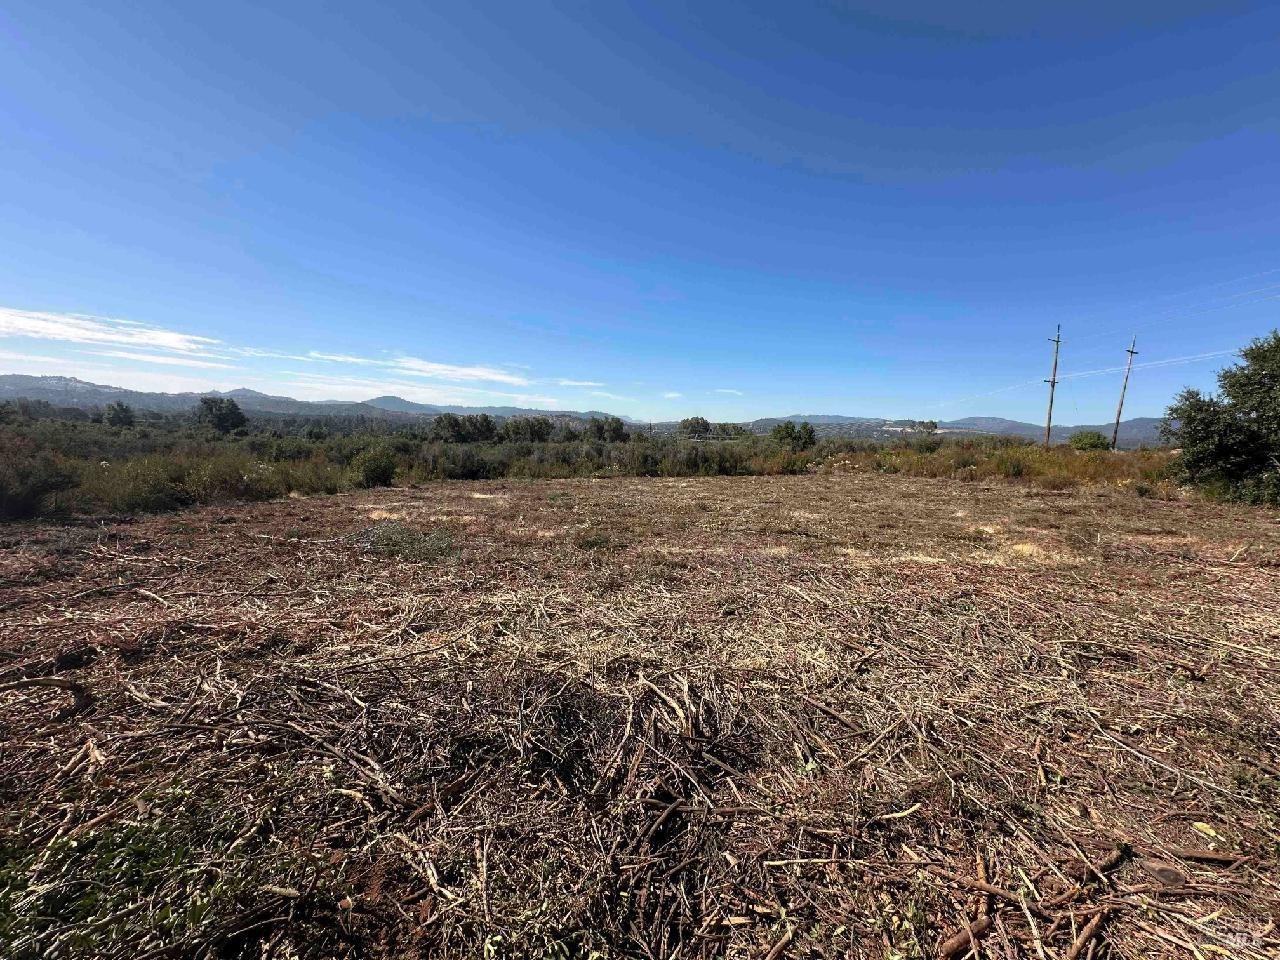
[
  {"x": 81, "y": 328},
  {"x": 12, "y": 356},
  {"x": 124, "y": 374},
  {"x": 157, "y": 358},
  {"x": 417, "y": 367},
  {"x": 604, "y": 394},
  {"x": 267, "y": 354},
  {"x": 732, "y": 393},
  {"x": 448, "y": 371},
  {"x": 672, "y": 395},
  {"x": 145, "y": 344},
  {"x": 306, "y": 385},
  {"x": 339, "y": 358}
]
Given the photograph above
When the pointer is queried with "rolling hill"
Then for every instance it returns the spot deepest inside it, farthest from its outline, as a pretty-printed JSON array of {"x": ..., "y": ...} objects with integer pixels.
[{"x": 72, "y": 392}]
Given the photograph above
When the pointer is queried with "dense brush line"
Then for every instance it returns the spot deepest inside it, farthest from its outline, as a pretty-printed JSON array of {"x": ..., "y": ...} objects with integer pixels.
[{"x": 54, "y": 466}]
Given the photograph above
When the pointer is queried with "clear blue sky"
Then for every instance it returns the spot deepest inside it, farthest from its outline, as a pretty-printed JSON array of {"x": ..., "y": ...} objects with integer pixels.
[{"x": 765, "y": 208}]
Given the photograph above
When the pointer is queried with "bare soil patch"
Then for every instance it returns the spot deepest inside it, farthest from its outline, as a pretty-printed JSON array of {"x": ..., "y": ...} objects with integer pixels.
[{"x": 825, "y": 716}]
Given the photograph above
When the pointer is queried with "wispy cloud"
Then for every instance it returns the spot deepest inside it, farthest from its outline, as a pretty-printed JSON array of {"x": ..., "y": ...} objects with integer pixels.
[
  {"x": 448, "y": 371},
  {"x": 13, "y": 356},
  {"x": 604, "y": 394},
  {"x": 82, "y": 328},
  {"x": 729, "y": 391},
  {"x": 338, "y": 358},
  {"x": 308, "y": 385},
  {"x": 139, "y": 345},
  {"x": 158, "y": 358},
  {"x": 672, "y": 395}
]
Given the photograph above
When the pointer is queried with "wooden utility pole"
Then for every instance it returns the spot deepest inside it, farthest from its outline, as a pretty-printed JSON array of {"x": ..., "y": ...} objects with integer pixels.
[
  {"x": 1056, "y": 340},
  {"x": 1115, "y": 433}
]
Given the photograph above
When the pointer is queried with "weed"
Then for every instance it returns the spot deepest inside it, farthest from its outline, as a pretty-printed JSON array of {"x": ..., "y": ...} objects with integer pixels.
[{"x": 403, "y": 541}]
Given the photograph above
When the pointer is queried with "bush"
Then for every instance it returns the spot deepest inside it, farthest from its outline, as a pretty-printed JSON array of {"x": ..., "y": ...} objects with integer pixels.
[
  {"x": 1089, "y": 440},
  {"x": 145, "y": 485},
  {"x": 375, "y": 467},
  {"x": 401, "y": 541},
  {"x": 232, "y": 477},
  {"x": 27, "y": 477}
]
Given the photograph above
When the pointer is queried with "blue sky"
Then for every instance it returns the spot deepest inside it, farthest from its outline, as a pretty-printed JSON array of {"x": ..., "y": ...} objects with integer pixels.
[{"x": 733, "y": 210}]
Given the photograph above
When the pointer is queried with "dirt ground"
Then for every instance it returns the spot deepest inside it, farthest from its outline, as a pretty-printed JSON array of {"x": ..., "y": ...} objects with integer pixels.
[{"x": 824, "y": 716}]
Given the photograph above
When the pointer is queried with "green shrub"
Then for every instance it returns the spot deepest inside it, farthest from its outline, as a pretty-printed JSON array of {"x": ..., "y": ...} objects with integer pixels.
[
  {"x": 231, "y": 477},
  {"x": 29, "y": 476},
  {"x": 1010, "y": 463},
  {"x": 375, "y": 467},
  {"x": 145, "y": 485},
  {"x": 402, "y": 541},
  {"x": 1089, "y": 440}
]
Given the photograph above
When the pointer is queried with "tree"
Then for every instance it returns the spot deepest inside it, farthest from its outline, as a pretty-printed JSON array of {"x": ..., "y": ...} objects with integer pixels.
[
  {"x": 806, "y": 437},
  {"x": 118, "y": 414},
  {"x": 221, "y": 413},
  {"x": 1088, "y": 440},
  {"x": 447, "y": 428},
  {"x": 608, "y": 429},
  {"x": 530, "y": 429},
  {"x": 695, "y": 426},
  {"x": 794, "y": 438},
  {"x": 784, "y": 434},
  {"x": 928, "y": 426},
  {"x": 1231, "y": 442}
]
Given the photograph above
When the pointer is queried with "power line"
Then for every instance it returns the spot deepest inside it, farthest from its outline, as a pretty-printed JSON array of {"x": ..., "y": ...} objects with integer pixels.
[
  {"x": 1168, "y": 362},
  {"x": 1159, "y": 321}
]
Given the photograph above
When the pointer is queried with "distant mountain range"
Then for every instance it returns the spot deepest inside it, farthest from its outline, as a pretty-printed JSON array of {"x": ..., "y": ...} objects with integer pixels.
[
  {"x": 70, "y": 392},
  {"x": 1134, "y": 432}
]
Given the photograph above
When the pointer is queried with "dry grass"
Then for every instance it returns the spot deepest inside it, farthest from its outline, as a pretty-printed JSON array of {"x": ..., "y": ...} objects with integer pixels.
[
  {"x": 1057, "y": 468},
  {"x": 834, "y": 716}
]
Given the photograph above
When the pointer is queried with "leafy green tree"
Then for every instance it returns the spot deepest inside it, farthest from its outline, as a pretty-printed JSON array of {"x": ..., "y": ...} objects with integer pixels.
[
  {"x": 472, "y": 428},
  {"x": 794, "y": 438},
  {"x": 1231, "y": 442},
  {"x": 695, "y": 427},
  {"x": 566, "y": 433},
  {"x": 607, "y": 429},
  {"x": 529, "y": 429},
  {"x": 1088, "y": 440},
  {"x": 221, "y": 413},
  {"x": 480, "y": 428},
  {"x": 806, "y": 436},
  {"x": 118, "y": 414},
  {"x": 784, "y": 434}
]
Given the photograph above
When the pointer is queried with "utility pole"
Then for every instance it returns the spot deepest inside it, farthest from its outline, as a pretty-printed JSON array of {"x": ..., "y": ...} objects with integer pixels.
[
  {"x": 1056, "y": 340},
  {"x": 1115, "y": 433}
]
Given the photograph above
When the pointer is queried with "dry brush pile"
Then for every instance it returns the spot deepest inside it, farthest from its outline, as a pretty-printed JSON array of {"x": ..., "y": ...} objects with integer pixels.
[{"x": 765, "y": 717}]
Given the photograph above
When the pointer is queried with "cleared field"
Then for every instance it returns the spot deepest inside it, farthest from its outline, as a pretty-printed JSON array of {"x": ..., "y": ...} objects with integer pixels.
[{"x": 769, "y": 717}]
